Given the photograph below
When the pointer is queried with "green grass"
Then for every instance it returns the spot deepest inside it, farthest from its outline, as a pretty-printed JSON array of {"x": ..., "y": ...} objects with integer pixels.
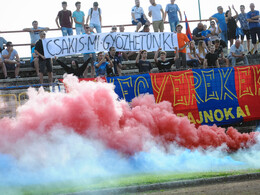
[{"x": 130, "y": 180}]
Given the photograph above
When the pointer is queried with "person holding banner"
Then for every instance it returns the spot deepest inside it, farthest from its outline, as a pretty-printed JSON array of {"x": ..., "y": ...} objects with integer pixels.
[
  {"x": 74, "y": 68},
  {"x": 91, "y": 55},
  {"x": 104, "y": 66},
  {"x": 163, "y": 64},
  {"x": 43, "y": 62},
  {"x": 79, "y": 19},
  {"x": 143, "y": 64}
]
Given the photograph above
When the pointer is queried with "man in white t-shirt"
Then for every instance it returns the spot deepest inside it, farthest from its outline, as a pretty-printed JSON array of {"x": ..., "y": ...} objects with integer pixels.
[
  {"x": 138, "y": 16},
  {"x": 157, "y": 13},
  {"x": 237, "y": 54},
  {"x": 95, "y": 17}
]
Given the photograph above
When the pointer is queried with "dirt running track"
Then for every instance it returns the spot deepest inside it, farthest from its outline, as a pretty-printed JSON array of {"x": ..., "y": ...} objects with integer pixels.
[{"x": 234, "y": 188}]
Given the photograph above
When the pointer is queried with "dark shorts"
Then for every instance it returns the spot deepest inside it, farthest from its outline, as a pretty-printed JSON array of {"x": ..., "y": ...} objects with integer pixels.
[
  {"x": 254, "y": 32},
  {"x": 247, "y": 34},
  {"x": 142, "y": 20},
  {"x": 45, "y": 64},
  {"x": 10, "y": 66}
]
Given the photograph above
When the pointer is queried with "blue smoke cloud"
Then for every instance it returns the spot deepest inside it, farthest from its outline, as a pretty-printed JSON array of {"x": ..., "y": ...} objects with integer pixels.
[{"x": 62, "y": 155}]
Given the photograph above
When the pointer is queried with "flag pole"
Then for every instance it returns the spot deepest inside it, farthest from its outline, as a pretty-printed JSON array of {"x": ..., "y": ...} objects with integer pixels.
[{"x": 199, "y": 10}]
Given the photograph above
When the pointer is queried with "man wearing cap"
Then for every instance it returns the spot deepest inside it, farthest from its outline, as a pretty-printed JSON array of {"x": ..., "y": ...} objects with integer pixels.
[
  {"x": 11, "y": 60},
  {"x": 94, "y": 14},
  {"x": 64, "y": 20},
  {"x": 163, "y": 64}
]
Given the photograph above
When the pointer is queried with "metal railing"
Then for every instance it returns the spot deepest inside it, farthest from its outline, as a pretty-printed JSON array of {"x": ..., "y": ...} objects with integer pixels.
[{"x": 106, "y": 26}]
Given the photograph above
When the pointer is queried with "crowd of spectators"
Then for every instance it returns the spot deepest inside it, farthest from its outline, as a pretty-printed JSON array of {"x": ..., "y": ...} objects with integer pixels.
[{"x": 205, "y": 50}]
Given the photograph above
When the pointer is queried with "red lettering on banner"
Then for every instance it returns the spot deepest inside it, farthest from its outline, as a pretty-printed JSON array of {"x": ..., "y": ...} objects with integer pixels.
[
  {"x": 244, "y": 81},
  {"x": 181, "y": 95},
  {"x": 257, "y": 80},
  {"x": 248, "y": 91}
]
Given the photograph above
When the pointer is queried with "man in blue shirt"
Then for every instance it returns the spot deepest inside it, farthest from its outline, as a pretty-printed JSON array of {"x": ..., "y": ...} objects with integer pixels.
[
  {"x": 220, "y": 19},
  {"x": 242, "y": 18},
  {"x": 103, "y": 65},
  {"x": 172, "y": 10},
  {"x": 254, "y": 25},
  {"x": 79, "y": 19}
]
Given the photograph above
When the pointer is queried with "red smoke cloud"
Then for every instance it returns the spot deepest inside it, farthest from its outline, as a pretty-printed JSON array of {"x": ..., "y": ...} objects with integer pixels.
[{"x": 92, "y": 110}]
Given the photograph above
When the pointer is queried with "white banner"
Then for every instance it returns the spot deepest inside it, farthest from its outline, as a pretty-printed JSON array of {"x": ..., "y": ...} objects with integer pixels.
[{"x": 69, "y": 45}]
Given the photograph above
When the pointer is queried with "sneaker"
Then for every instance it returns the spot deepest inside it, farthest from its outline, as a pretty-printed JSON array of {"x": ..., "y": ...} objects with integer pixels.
[
  {"x": 17, "y": 77},
  {"x": 22, "y": 62},
  {"x": 249, "y": 53},
  {"x": 7, "y": 77},
  {"x": 256, "y": 52}
]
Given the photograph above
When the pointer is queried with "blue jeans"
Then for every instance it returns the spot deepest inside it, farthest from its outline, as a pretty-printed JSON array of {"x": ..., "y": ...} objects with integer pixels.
[
  {"x": 80, "y": 30},
  {"x": 97, "y": 27},
  {"x": 237, "y": 59},
  {"x": 224, "y": 37},
  {"x": 66, "y": 31},
  {"x": 173, "y": 25}
]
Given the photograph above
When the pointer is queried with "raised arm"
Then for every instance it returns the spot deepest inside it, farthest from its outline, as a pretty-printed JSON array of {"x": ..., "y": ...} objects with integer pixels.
[
  {"x": 64, "y": 66},
  {"x": 84, "y": 66},
  {"x": 101, "y": 62},
  {"x": 233, "y": 7},
  {"x": 229, "y": 15},
  {"x": 138, "y": 57},
  {"x": 156, "y": 55}
]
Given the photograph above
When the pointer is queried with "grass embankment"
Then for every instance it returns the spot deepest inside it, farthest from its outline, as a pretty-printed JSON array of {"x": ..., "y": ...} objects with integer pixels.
[{"x": 124, "y": 181}]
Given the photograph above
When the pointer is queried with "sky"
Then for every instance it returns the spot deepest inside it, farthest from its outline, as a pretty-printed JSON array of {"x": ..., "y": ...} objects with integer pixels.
[{"x": 18, "y": 14}]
